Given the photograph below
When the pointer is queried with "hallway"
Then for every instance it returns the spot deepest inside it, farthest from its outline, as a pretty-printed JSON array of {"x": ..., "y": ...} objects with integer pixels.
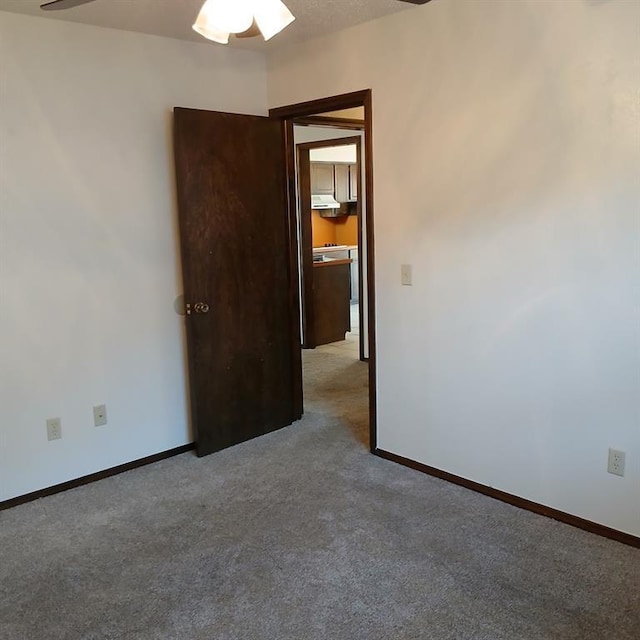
[{"x": 336, "y": 382}]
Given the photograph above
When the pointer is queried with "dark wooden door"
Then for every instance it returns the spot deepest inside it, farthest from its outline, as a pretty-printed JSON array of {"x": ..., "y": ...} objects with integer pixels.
[{"x": 244, "y": 374}]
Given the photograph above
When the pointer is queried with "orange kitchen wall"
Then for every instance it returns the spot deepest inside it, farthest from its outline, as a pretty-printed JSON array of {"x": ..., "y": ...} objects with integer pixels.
[
  {"x": 347, "y": 230},
  {"x": 322, "y": 230},
  {"x": 334, "y": 230}
]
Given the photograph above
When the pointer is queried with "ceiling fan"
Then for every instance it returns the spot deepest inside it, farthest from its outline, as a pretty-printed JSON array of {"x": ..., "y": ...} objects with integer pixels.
[{"x": 268, "y": 17}]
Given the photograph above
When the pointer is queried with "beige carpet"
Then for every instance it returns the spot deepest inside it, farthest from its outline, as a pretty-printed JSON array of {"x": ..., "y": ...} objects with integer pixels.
[{"x": 304, "y": 535}]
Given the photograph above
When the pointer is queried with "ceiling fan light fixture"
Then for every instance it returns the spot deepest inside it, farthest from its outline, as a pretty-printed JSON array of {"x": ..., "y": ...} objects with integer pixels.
[
  {"x": 210, "y": 33},
  {"x": 271, "y": 16},
  {"x": 219, "y": 18},
  {"x": 226, "y": 16},
  {"x": 204, "y": 26}
]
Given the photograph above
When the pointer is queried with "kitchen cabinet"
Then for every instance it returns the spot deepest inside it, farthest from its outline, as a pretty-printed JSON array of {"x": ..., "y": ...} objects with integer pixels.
[
  {"x": 342, "y": 182},
  {"x": 322, "y": 179},
  {"x": 337, "y": 180},
  {"x": 353, "y": 254},
  {"x": 332, "y": 312},
  {"x": 342, "y": 253},
  {"x": 353, "y": 182}
]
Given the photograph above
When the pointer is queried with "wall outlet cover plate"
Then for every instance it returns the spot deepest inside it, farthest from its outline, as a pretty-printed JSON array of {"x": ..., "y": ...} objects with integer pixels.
[
  {"x": 54, "y": 429},
  {"x": 616, "y": 462}
]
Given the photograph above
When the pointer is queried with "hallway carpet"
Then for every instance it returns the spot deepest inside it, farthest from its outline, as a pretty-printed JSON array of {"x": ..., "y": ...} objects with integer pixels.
[{"x": 303, "y": 535}]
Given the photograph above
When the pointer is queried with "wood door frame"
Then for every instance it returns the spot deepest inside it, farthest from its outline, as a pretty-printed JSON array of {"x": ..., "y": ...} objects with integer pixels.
[
  {"x": 306, "y": 240},
  {"x": 331, "y": 121},
  {"x": 311, "y": 108}
]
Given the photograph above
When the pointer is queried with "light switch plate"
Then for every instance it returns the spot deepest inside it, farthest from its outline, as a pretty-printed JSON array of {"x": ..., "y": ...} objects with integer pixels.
[{"x": 100, "y": 415}]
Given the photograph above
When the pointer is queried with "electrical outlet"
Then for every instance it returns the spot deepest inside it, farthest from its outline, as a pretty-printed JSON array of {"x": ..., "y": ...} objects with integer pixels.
[
  {"x": 406, "y": 275},
  {"x": 616, "y": 462},
  {"x": 100, "y": 415},
  {"x": 54, "y": 429}
]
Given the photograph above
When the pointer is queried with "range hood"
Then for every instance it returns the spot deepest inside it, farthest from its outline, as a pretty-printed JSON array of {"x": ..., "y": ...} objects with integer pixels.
[{"x": 324, "y": 202}]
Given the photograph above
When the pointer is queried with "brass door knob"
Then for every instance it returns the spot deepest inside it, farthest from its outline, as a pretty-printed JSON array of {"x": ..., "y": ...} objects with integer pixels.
[{"x": 201, "y": 307}]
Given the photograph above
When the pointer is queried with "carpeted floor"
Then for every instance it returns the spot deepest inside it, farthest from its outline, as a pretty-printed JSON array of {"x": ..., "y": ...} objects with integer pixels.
[{"x": 303, "y": 535}]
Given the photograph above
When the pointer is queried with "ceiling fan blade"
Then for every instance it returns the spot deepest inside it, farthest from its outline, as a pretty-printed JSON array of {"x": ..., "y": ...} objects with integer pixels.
[
  {"x": 415, "y": 1},
  {"x": 56, "y": 5}
]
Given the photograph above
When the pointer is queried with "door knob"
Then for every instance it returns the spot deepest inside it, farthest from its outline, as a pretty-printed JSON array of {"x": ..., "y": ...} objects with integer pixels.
[
  {"x": 198, "y": 307},
  {"x": 201, "y": 307}
]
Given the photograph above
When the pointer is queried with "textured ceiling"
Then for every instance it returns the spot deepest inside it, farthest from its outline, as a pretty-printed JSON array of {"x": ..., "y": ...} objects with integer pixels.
[{"x": 173, "y": 18}]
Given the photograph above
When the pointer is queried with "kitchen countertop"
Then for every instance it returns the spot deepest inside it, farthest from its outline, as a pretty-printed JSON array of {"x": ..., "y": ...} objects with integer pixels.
[
  {"x": 340, "y": 247},
  {"x": 332, "y": 262}
]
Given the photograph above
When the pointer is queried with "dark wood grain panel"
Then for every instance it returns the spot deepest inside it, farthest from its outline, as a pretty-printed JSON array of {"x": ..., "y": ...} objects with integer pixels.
[
  {"x": 235, "y": 256},
  {"x": 322, "y": 105},
  {"x": 332, "y": 142},
  {"x": 306, "y": 249},
  {"x": 331, "y": 294},
  {"x": 331, "y": 121},
  {"x": 294, "y": 289},
  {"x": 371, "y": 290}
]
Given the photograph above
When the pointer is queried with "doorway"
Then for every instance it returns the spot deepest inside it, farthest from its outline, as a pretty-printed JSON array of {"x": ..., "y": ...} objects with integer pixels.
[
  {"x": 339, "y": 117},
  {"x": 329, "y": 214},
  {"x": 240, "y": 246},
  {"x": 334, "y": 364}
]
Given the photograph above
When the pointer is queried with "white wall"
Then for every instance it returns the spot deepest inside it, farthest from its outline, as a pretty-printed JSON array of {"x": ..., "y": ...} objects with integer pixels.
[
  {"x": 346, "y": 153},
  {"x": 89, "y": 265},
  {"x": 506, "y": 163}
]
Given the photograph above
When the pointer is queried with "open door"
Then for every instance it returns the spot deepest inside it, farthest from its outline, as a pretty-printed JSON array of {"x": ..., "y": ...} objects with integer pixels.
[{"x": 242, "y": 330}]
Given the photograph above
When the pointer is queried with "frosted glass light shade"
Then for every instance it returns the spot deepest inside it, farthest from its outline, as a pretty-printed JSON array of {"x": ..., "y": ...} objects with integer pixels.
[
  {"x": 271, "y": 16},
  {"x": 210, "y": 33},
  {"x": 227, "y": 16},
  {"x": 219, "y": 18},
  {"x": 205, "y": 27}
]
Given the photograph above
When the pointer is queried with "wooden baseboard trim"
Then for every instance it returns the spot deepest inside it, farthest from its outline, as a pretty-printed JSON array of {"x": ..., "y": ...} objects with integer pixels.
[
  {"x": 92, "y": 477},
  {"x": 523, "y": 503}
]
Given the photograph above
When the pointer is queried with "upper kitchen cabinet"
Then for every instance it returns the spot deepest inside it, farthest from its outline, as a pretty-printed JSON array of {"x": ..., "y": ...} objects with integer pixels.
[
  {"x": 353, "y": 182},
  {"x": 342, "y": 182},
  {"x": 322, "y": 179},
  {"x": 346, "y": 181}
]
